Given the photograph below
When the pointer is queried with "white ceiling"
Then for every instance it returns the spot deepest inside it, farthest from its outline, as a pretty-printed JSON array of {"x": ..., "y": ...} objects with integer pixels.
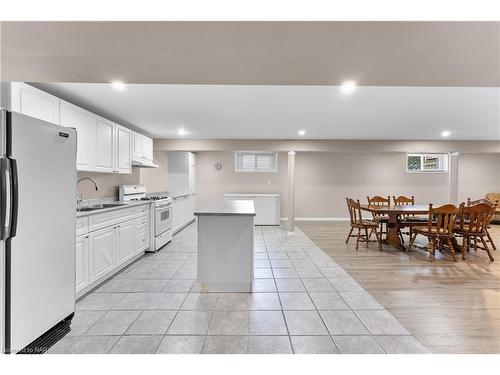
[{"x": 278, "y": 112}]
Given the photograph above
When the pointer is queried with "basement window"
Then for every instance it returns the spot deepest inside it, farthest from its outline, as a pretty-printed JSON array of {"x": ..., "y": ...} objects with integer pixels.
[
  {"x": 251, "y": 161},
  {"x": 426, "y": 163}
]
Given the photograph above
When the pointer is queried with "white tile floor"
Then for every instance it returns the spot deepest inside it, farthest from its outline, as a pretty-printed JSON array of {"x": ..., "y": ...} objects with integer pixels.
[{"x": 303, "y": 302}]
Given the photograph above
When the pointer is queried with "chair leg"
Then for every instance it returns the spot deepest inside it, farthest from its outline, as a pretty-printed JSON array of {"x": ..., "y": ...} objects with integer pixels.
[
  {"x": 349, "y": 235},
  {"x": 464, "y": 247},
  {"x": 412, "y": 240},
  {"x": 432, "y": 250},
  {"x": 379, "y": 240},
  {"x": 366, "y": 237},
  {"x": 485, "y": 244},
  {"x": 491, "y": 240},
  {"x": 357, "y": 238},
  {"x": 452, "y": 249}
]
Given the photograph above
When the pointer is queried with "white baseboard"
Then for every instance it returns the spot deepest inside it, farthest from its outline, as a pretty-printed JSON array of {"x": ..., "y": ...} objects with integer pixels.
[{"x": 317, "y": 219}]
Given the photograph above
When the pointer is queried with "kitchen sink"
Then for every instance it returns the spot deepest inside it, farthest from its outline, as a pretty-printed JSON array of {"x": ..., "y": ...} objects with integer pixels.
[{"x": 99, "y": 206}]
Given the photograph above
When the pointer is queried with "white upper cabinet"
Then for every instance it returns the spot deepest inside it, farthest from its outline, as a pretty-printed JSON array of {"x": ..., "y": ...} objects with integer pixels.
[
  {"x": 143, "y": 148},
  {"x": 181, "y": 173},
  {"x": 84, "y": 122},
  {"x": 123, "y": 149},
  {"x": 33, "y": 102},
  {"x": 137, "y": 154},
  {"x": 104, "y": 145}
]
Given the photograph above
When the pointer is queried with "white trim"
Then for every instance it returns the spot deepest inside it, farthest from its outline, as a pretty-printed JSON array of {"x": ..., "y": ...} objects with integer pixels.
[
  {"x": 444, "y": 161},
  {"x": 276, "y": 161},
  {"x": 324, "y": 218}
]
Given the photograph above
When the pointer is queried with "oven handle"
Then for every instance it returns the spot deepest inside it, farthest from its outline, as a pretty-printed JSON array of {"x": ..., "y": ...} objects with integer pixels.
[{"x": 163, "y": 207}]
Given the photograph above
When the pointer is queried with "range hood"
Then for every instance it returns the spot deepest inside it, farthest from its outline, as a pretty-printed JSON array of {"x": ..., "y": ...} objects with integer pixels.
[{"x": 141, "y": 163}]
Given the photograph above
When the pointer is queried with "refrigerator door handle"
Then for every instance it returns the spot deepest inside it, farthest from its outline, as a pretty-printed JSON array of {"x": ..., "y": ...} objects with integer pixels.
[
  {"x": 15, "y": 198},
  {"x": 3, "y": 197}
]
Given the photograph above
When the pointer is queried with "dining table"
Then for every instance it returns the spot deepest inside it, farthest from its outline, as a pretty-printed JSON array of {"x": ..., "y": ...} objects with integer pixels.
[{"x": 394, "y": 213}]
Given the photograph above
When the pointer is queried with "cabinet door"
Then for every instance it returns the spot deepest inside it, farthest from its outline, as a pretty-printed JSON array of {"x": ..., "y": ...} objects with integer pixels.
[
  {"x": 33, "y": 102},
  {"x": 125, "y": 248},
  {"x": 124, "y": 156},
  {"x": 82, "y": 262},
  {"x": 147, "y": 148},
  {"x": 104, "y": 145},
  {"x": 75, "y": 117},
  {"x": 138, "y": 145},
  {"x": 101, "y": 253}
]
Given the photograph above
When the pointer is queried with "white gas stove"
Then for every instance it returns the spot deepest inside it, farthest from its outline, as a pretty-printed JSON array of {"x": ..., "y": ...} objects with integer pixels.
[{"x": 160, "y": 217}]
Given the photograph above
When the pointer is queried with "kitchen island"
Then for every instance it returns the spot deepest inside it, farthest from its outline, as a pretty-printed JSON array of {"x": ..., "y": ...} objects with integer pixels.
[{"x": 225, "y": 246}]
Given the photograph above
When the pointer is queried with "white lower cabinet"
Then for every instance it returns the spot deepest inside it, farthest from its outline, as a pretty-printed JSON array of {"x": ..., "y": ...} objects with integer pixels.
[
  {"x": 101, "y": 252},
  {"x": 125, "y": 241},
  {"x": 114, "y": 239},
  {"x": 82, "y": 262},
  {"x": 183, "y": 211}
]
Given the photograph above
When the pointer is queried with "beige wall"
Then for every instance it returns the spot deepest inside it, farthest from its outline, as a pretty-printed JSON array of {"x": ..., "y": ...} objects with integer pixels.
[
  {"x": 478, "y": 174},
  {"x": 155, "y": 179},
  {"x": 323, "y": 180}
]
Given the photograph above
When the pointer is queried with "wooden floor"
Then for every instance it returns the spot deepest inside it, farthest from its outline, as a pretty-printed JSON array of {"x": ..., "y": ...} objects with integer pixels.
[{"x": 450, "y": 307}]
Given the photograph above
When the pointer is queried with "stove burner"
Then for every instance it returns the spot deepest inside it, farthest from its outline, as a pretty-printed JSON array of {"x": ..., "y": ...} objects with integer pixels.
[{"x": 149, "y": 198}]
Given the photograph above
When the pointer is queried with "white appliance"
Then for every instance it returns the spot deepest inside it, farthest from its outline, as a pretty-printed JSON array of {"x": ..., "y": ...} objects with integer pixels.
[
  {"x": 181, "y": 177},
  {"x": 38, "y": 205},
  {"x": 267, "y": 207},
  {"x": 160, "y": 216}
]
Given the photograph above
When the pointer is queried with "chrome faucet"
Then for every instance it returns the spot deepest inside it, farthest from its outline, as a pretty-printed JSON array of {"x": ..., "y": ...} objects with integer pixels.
[{"x": 79, "y": 196}]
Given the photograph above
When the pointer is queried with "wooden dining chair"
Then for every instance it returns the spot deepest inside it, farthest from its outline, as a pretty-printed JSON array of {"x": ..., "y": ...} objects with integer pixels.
[
  {"x": 472, "y": 224},
  {"x": 357, "y": 222},
  {"x": 471, "y": 202},
  {"x": 439, "y": 229},
  {"x": 377, "y": 200},
  {"x": 407, "y": 220}
]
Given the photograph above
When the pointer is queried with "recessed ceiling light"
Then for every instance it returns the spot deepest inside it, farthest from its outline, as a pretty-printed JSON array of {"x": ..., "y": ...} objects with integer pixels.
[
  {"x": 348, "y": 87},
  {"x": 302, "y": 132},
  {"x": 118, "y": 85},
  {"x": 181, "y": 131},
  {"x": 445, "y": 133}
]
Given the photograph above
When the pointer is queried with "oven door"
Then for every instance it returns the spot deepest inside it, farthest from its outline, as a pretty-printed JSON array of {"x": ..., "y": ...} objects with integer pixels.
[{"x": 163, "y": 219}]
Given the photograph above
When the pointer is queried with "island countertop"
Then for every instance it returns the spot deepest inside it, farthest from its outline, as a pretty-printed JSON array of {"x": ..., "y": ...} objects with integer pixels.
[{"x": 229, "y": 208}]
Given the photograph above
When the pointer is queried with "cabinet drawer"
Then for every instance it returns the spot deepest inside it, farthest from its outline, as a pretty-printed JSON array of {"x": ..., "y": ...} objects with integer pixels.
[
  {"x": 110, "y": 218},
  {"x": 142, "y": 239},
  {"x": 142, "y": 210},
  {"x": 142, "y": 221},
  {"x": 82, "y": 225}
]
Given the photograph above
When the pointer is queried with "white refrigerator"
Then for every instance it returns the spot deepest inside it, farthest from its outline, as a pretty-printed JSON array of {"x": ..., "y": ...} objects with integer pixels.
[{"x": 37, "y": 231}]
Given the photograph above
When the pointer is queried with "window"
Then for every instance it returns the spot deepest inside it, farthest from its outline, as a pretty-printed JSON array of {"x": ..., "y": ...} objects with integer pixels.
[
  {"x": 426, "y": 163},
  {"x": 249, "y": 161}
]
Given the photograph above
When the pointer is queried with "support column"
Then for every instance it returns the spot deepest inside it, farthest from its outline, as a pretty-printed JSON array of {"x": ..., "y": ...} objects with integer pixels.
[
  {"x": 291, "y": 192},
  {"x": 453, "y": 175}
]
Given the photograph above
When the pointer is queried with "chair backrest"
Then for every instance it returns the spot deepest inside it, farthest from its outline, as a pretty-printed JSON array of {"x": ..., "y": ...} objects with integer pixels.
[
  {"x": 354, "y": 210},
  {"x": 443, "y": 218},
  {"x": 492, "y": 197},
  {"x": 471, "y": 202},
  {"x": 377, "y": 200},
  {"x": 402, "y": 200},
  {"x": 476, "y": 218}
]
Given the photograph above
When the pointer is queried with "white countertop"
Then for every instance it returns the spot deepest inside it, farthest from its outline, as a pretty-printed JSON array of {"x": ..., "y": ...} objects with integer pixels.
[{"x": 229, "y": 208}]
